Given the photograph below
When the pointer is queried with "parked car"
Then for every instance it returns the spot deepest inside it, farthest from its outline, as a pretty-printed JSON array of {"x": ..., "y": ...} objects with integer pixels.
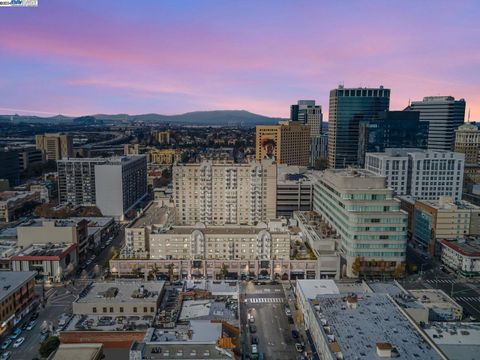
[
  {"x": 252, "y": 328},
  {"x": 254, "y": 349},
  {"x": 31, "y": 324},
  {"x": 295, "y": 334},
  {"x": 6, "y": 355},
  {"x": 6, "y": 344},
  {"x": 254, "y": 340},
  {"x": 18, "y": 342},
  {"x": 34, "y": 316},
  {"x": 15, "y": 333}
]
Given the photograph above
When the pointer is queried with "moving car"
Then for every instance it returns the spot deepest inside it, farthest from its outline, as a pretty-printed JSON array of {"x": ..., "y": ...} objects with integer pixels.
[
  {"x": 254, "y": 349},
  {"x": 31, "y": 324},
  {"x": 252, "y": 328},
  {"x": 254, "y": 340},
  {"x": 295, "y": 334},
  {"x": 18, "y": 342},
  {"x": 15, "y": 333},
  {"x": 299, "y": 347}
]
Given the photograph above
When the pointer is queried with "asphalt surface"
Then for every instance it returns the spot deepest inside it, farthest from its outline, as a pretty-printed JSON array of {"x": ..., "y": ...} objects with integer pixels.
[
  {"x": 265, "y": 303},
  {"x": 59, "y": 299}
]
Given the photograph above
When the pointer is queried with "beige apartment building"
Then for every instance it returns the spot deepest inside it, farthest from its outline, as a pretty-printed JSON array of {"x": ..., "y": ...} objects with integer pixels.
[
  {"x": 55, "y": 146},
  {"x": 164, "y": 156},
  {"x": 216, "y": 193},
  {"x": 221, "y": 243},
  {"x": 467, "y": 141},
  {"x": 285, "y": 143}
]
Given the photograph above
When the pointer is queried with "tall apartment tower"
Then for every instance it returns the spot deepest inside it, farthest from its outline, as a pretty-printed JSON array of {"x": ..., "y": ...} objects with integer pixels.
[
  {"x": 306, "y": 112},
  {"x": 358, "y": 206},
  {"x": 114, "y": 185},
  {"x": 55, "y": 146},
  {"x": 120, "y": 183},
  {"x": 285, "y": 143},
  {"x": 76, "y": 180},
  {"x": 444, "y": 115},
  {"x": 216, "y": 193},
  {"x": 467, "y": 141},
  {"x": 349, "y": 107}
]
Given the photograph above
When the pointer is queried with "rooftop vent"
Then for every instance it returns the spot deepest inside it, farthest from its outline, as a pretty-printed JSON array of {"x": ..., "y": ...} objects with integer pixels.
[{"x": 384, "y": 350}]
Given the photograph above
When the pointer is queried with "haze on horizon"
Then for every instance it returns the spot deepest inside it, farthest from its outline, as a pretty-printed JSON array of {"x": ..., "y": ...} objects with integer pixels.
[{"x": 171, "y": 57}]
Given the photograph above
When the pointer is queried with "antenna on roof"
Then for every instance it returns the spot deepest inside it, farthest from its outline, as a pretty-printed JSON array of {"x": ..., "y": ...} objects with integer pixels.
[
  {"x": 468, "y": 117},
  {"x": 409, "y": 102}
]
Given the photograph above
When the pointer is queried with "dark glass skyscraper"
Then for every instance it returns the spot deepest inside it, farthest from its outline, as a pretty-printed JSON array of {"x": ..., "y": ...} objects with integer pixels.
[
  {"x": 348, "y": 108},
  {"x": 392, "y": 129}
]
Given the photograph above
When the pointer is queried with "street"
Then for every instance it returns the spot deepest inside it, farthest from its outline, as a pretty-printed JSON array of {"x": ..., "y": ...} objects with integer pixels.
[{"x": 265, "y": 304}]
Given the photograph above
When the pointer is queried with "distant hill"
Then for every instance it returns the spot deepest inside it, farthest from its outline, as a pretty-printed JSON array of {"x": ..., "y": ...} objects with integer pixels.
[{"x": 216, "y": 117}]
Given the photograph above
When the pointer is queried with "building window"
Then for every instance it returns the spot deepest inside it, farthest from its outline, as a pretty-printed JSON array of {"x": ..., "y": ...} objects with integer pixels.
[
  {"x": 145, "y": 309},
  {"x": 104, "y": 309},
  {"x": 135, "y": 309},
  {"x": 121, "y": 309},
  {"x": 152, "y": 309},
  {"x": 111, "y": 309},
  {"x": 94, "y": 310}
]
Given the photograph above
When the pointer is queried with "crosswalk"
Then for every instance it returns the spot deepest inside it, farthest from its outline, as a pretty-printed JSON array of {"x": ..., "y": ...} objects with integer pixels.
[
  {"x": 441, "y": 281},
  {"x": 468, "y": 298},
  {"x": 266, "y": 300}
]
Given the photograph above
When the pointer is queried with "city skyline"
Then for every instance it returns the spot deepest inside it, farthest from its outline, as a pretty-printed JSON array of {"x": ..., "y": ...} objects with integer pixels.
[{"x": 170, "y": 58}]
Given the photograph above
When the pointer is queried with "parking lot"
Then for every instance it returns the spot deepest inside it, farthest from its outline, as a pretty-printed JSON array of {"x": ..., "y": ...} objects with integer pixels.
[{"x": 271, "y": 326}]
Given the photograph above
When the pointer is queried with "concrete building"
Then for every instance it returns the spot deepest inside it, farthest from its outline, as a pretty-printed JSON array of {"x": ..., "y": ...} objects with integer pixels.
[
  {"x": 444, "y": 219},
  {"x": 12, "y": 202},
  {"x": 29, "y": 156},
  {"x": 76, "y": 181},
  {"x": 164, "y": 156},
  {"x": 362, "y": 211},
  {"x": 423, "y": 174},
  {"x": 79, "y": 352},
  {"x": 285, "y": 143},
  {"x": 221, "y": 242},
  {"x": 120, "y": 298},
  {"x": 217, "y": 193},
  {"x": 444, "y": 115},
  {"x": 50, "y": 261},
  {"x": 349, "y": 107},
  {"x": 306, "y": 112},
  {"x": 294, "y": 189},
  {"x": 348, "y": 322},
  {"x": 120, "y": 183},
  {"x": 441, "y": 306},
  {"x": 462, "y": 255},
  {"x": 61, "y": 231},
  {"x": 55, "y": 146},
  {"x": 17, "y": 297},
  {"x": 131, "y": 149},
  {"x": 163, "y": 137},
  {"x": 467, "y": 141}
]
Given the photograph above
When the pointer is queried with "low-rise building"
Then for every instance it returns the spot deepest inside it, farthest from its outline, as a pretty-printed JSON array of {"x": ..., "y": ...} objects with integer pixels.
[
  {"x": 444, "y": 219},
  {"x": 12, "y": 202},
  {"x": 60, "y": 231},
  {"x": 164, "y": 156},
  {"x": 79, "y": 352},
  {"x": 17, "y": 297},
  {"x": 50, "y": 261},
  {"x": 358, "y": 323},
  {"x": 441, "y": 306},
  {"x": 462, "y": 255},
  {"x": 120, "y": 298}
]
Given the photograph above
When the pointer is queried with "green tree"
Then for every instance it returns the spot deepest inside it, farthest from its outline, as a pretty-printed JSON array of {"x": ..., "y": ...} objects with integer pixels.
[{"x": 49, "y": 345}]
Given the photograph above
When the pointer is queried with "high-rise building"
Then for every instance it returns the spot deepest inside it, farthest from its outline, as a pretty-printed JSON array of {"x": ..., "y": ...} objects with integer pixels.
[
  {"x": 9, "y": 166},
  {"x": 306, "y": 112},
  {"x": 219, "y": 193},
  {"x": 467, "y": 141},
  {"x": 285, "y": 143},
  {"x": 348, "y": 108},
  {"x": 424, "y": 174},
  {"x": 120, "y": 183},
  {"x": 444, "y": 115},
  {"x": 55, "y": 146},
  {"x": 358, "y": 206},
  {"x": 393, "y": 129},
  {"x": 76, "y": 180},
  {"x": 114, "y": 185},
  {"x": 28, "y": 156}
]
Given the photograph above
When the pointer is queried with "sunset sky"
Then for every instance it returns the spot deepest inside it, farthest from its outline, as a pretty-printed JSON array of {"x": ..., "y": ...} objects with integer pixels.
[{"x": 173, "y": 56}]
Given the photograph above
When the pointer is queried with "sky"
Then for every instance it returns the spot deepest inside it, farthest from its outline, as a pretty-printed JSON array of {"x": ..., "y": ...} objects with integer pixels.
[{"x": 174, "y": 56}]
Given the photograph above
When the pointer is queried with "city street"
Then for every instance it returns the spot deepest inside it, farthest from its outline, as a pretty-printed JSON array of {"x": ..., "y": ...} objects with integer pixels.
[{"x": 265, "y": 303}]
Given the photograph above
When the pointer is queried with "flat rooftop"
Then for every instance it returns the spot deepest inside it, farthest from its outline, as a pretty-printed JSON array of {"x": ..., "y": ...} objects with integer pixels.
[
  {"x": 434, "y": 298},
  {"x": 109, "y": 323},
  {"x": 206, "y": 310},
  {"x": 14, "y": 195},
  {"x": 312, "y": 288},
  {"x": 459, "y": 341},
  {"x": 197, "y": 331},
  {"x": 77, "y": 351},
  {"x": 216, "y": 287},
  {"x": 45, "y": 250},
  {"x": 11, "y": 281},
  {"x": 220, "y": 230},
  {"x": 122, "y": 291},
  {"x": 376, "y": 319},
  {"x": 468, "y": 247},
  {"x": 402, "y": 297},
  {"x": 153, "y": 215}
]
